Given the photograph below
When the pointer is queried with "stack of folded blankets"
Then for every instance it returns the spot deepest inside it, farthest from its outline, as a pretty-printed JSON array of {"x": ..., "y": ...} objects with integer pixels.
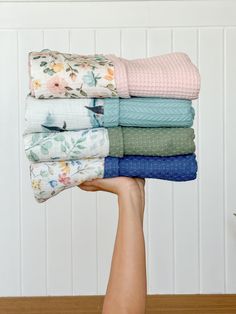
[{"x": 102, "y": 116}]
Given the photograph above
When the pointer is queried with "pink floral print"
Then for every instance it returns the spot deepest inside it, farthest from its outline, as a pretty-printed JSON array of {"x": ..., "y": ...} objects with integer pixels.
[
  {"x": 64, "y": 179},
  {"x": 56, "y": 85}
]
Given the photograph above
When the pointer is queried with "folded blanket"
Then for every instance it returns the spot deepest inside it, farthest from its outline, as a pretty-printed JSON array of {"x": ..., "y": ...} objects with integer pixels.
[
  {"x": 115, "y": 142},
  {"x": 48, "y": 179},
  {"x": 55, "y": 74},
  {"x": 74, "y": 114}
]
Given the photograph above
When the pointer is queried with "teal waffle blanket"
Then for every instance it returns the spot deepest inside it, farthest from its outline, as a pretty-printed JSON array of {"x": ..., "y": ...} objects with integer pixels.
[{"x": 74, "y": 114}]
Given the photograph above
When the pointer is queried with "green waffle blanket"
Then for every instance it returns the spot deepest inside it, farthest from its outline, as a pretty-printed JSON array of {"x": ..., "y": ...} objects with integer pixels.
[
  {"x": 150, "y": 141},
  {"x": 115, "y": 142}
]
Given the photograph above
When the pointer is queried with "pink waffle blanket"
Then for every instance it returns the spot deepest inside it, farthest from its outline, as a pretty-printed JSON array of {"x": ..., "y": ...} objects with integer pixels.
[
  {"x": 171, "y": 75},
  {"x": 55, "y": 74}
]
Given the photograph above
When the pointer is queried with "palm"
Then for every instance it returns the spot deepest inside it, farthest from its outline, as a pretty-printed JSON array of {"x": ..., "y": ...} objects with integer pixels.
[{"x": 113, "y": 185}]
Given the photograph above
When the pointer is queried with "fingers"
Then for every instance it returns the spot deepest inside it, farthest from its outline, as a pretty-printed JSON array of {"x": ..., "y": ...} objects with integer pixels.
[
  {"x": 140, "y": 181},
  {"x": 92, "y": 185},
  {"x": 88, "y": 188},
  {"x": 115, "y": 185}
]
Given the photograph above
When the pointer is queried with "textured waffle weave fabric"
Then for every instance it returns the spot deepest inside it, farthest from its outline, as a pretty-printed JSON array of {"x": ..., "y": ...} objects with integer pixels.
[
  {"x": 150, "y": 141},
  {"x": 171, "y": 75},
  {"x": 115, "y": 142},
  {"x": 55, "y": 74},
  {"x": 174, "y": 168},
  {"x": 75, "y": 114},
  {"x": 49, "y": 179}
]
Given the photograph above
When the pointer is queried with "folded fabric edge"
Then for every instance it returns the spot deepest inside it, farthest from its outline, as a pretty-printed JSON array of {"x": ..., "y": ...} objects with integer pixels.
[
  {"x": 116, "y": 142},
  {"x": 111, "y": 112},
  {"x": 121, "y": 79}
]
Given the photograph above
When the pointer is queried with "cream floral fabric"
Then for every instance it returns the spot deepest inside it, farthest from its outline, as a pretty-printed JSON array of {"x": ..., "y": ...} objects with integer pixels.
[
  {"x": 50, "y": 178},
  {"x": 89, "y": 143},
  {"x": 63, "y": 75}
]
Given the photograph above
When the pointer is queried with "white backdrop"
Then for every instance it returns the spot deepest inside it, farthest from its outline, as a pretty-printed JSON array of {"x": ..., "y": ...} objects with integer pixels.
[{"x": 64, "y": 246}]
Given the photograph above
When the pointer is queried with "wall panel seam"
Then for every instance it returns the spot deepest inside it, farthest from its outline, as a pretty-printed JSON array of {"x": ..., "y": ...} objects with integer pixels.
[
  {"x": 224, "y": 161},
  {"x": 20, "y": 176}
]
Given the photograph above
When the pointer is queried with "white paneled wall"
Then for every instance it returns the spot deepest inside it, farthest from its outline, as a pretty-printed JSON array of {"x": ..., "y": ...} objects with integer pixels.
[{"x": 64, "y": 246}]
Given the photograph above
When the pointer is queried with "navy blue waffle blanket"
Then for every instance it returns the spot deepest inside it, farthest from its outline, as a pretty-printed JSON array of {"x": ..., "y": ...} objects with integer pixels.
[{"x": 174, "y": 168}]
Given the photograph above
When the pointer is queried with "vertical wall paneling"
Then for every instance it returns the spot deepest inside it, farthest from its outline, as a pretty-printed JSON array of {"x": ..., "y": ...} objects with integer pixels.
[
  {"x": 84, "y": 210},
  {"x": 59, "y": 210},
  {"x": 133, "y": 43},
  {"x": 10, "y": 228},
  {"x": 82, "y": 41},
  {"x": 186, "y": 198},
  {"x": 211, "y": 160},
  {"x": 160, "y": 200},
  {"x": 230, "y": 157},
  {"x": 108, "y": 41},
  {"x": 65, "y": 246},
  {"x": 33, "y": 225}
]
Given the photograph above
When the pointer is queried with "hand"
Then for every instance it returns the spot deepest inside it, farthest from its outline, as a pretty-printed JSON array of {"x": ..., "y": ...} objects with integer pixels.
[
  {"x": 121, "y": 186},
  {"x": 114, "y": 185}
]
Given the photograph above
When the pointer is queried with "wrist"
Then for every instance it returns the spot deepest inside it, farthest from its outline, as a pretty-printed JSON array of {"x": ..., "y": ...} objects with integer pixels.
[
  {"x": 132, "y": 197},
  {"x": 128, "y": 191}
]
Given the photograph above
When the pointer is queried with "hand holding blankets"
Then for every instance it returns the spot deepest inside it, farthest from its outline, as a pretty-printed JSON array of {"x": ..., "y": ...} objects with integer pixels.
[
  {"x": 115, "y": 142},
  {"x": 49, "y": 179},
  {"x": 137, "y": 112},
  {"x": 55, "y": 74},
  {"x": 74, "y": 114}
]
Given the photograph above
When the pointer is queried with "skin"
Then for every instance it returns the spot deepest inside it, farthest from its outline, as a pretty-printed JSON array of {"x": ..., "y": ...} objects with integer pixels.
[{"x": 127, "y": 286}]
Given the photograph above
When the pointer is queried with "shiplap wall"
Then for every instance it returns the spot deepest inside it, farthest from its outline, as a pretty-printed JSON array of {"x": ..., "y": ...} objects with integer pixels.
[{"x": 64, "y": 246}]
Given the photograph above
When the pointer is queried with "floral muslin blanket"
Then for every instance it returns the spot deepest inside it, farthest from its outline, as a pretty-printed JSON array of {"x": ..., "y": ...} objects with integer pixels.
[
  {"x": 55, "y": 74},
  {"x": 46, "y": 115},
  {"x": 50, "y": 178},
  {"x": 89, "y": 143}
]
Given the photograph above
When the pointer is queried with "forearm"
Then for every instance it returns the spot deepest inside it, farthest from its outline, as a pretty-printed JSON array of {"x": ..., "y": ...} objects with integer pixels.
[
  {"x": 131, "y": 238},
  {"x": 128, "y": 270},
  {"x": 131, "y": 202}
]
